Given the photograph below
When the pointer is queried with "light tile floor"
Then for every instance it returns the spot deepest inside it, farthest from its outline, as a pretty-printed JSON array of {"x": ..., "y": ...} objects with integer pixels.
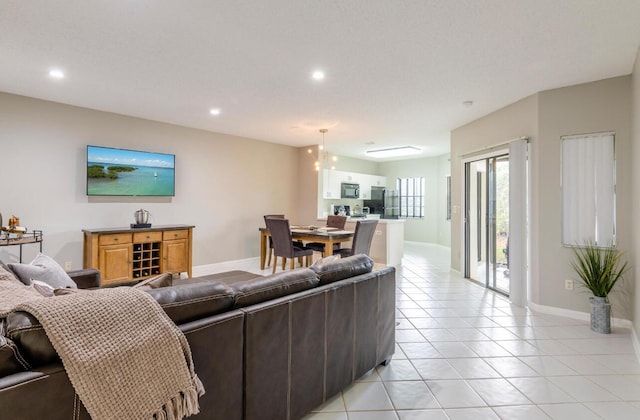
[{"x": 463, "y": 352}]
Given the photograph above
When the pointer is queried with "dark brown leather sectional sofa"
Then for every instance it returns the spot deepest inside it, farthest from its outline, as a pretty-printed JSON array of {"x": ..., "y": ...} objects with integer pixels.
[{"x": 273, "y": 347}]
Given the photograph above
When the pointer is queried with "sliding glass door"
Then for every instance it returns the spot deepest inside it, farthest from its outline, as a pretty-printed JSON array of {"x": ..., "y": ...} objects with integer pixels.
[{"x": 487, "y": 222}]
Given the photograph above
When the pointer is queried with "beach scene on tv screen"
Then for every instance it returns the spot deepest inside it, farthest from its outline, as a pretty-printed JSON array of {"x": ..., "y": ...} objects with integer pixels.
[{"x": 129, "y": 172}]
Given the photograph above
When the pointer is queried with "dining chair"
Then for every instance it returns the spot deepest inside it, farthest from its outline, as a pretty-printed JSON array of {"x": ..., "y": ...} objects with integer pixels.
[
  {"x": 333, "y": 222},
  {"x": 275, "y": 216},
  {"x": 362, "y": 238},
  {"x": 283, "y": 245},
  {"x": 299, "y": 244}
]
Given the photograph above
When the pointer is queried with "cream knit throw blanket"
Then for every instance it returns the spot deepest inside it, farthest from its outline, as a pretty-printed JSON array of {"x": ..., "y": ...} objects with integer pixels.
[
  {"x": 13, "y": 293},
  {"x": 125, "y": 358}
]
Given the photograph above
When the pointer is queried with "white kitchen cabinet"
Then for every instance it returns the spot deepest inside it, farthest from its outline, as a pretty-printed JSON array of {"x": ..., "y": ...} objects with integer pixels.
[
  {"x": 330, "y": 184},
  {"x": 332, "y": 180},
  {"x": 378, "y": 181},
  {"x": 369, "y": 181}
]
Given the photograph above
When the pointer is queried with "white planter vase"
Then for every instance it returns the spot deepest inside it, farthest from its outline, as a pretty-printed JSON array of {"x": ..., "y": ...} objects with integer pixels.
[{"x": 600, "y": 315}]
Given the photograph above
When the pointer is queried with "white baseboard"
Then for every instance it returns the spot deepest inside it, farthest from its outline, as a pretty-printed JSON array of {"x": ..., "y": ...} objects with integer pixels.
[{"x": 582, "y": 316}]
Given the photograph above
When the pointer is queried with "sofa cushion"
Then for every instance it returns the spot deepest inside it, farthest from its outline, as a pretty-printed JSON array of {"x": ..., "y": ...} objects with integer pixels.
[
  {"x": 10, "y": 359},
  {"x": 331, "y": 270},
  {"x": 274, "y": 286},
  {"x": 45, "y": 269},
  {"x": 188, "y": 302}
]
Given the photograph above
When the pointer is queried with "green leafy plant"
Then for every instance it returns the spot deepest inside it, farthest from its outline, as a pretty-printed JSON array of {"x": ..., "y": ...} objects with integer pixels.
[{"x": 599, "y": 268}]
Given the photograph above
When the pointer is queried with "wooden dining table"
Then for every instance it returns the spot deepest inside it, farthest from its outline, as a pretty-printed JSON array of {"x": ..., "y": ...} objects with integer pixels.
[{"x": 306, "y": 234}]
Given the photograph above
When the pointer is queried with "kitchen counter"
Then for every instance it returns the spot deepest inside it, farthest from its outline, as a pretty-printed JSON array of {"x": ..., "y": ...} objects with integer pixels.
[
  {"x": 387, "y": 246},
  {"x": 355, "y": 219}
]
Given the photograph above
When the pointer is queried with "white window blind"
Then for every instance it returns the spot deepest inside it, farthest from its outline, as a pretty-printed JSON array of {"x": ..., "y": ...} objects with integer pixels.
[{"x": 588, "y": 189}]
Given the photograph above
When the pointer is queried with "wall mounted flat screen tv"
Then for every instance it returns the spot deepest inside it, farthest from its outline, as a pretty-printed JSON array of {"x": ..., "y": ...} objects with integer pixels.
[{"x": 121, "y": 172}]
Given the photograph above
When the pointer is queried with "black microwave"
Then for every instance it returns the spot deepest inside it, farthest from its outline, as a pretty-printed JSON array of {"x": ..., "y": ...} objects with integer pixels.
[{"x": 350, "y": 190}]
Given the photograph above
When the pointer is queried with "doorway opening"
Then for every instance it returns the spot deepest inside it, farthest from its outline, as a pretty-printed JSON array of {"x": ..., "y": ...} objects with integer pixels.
[{"x": 487, "y": 222}]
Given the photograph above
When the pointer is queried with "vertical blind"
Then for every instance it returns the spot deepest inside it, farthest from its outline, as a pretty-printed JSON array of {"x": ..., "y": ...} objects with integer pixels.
[{"x": 588, "y": 189}]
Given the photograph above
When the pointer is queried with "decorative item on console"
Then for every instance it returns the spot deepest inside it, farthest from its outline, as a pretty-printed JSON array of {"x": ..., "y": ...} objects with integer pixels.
[
  {"x": 142, "y": 219},
  {"x": 13, "y": 227}
]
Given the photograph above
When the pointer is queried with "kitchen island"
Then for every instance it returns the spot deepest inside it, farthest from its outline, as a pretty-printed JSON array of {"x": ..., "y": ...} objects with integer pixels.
[{"x": 387, "y": 246}]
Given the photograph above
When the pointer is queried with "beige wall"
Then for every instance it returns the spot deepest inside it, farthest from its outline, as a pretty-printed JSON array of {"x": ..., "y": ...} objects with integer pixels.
[
  {"x": 588, "y": 108},
  {"x": 635, "y": 175},
  {"x": 544, "y": 117},
  {"x": 224, "y": 184}
]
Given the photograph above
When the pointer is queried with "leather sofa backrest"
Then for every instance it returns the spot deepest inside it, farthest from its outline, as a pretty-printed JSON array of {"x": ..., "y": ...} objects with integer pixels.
[
  {"x": 274, "y": 286},
  {"x": 330, "y": 270},
  {"x": 188, "y": 302}
]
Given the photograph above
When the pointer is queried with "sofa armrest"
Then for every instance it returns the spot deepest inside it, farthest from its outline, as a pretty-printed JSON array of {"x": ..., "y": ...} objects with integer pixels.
[{"x": 87, "y": 278}]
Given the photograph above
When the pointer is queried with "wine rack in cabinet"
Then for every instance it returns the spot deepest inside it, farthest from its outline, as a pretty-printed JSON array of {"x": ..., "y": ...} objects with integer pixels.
[
  {"x": 146, "y": 254},
  {"x": 129, "y": 255}
]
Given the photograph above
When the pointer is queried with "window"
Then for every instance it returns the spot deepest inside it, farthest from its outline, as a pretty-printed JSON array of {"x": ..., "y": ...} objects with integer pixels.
[
  {"x": 588, "y": 189},
  {"x": 411, "y": 195}
]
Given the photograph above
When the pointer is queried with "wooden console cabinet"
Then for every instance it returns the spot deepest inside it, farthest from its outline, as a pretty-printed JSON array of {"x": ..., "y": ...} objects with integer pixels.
[{"x": 125, "y": 255}]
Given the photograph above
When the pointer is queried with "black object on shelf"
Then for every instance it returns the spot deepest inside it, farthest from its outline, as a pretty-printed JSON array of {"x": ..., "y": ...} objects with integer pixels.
[{"x": 140, "y": 225}]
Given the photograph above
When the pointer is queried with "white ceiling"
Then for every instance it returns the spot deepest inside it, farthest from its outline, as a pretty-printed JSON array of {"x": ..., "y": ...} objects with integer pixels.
[{"x": 397, "y": 71}]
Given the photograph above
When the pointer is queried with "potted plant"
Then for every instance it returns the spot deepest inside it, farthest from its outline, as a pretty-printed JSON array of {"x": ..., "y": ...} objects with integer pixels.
[{"x": 599, "y": 269}]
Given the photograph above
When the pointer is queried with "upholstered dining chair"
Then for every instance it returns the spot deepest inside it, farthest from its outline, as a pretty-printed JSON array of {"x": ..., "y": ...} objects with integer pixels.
[
  {"x": 362, "y": 238},
  {"x": 299, "y": 244},
  {"x": 337, "y": 222},
  {"x": 283, "y": 244},
  {"x": 275, "y": 216}
]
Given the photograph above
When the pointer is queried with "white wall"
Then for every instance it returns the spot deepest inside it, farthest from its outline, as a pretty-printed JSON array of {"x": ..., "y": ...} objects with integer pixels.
[{"x": 224, "y": 184}]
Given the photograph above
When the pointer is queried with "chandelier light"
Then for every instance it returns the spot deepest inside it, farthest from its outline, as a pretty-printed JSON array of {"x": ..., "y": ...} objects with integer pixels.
[{"x": 322, "y": 159}]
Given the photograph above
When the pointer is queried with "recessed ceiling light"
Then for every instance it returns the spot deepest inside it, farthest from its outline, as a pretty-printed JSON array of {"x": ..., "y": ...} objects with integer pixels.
[
  {"x": 56, "y": 74},
  {"x": 393, "y": 152},
  {"x": 318, "y": 75},
  {"x": 214, "y": 111},
  {"x": 467, "y": 103}
]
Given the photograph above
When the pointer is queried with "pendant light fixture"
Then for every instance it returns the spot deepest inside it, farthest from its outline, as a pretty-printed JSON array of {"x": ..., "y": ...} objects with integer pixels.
[{"x": 323, "y": 161}]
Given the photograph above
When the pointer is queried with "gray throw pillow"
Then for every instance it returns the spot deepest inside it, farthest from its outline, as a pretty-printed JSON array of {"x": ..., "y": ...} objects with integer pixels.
[{"x": 45, "y": 269}]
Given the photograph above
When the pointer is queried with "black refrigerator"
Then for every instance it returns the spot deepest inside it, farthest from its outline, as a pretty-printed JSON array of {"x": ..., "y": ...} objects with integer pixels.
[{"x": 383, "y": 202}]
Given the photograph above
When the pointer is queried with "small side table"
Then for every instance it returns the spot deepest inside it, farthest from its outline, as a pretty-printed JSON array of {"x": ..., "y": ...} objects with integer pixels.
[{"x": 11, "y": 239}]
